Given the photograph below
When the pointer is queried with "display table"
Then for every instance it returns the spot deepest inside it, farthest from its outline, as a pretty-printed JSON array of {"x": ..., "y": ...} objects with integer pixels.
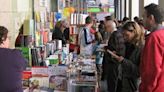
[
  {"x": 84, "y": 77},
  {"x": 78, "y": 76}
]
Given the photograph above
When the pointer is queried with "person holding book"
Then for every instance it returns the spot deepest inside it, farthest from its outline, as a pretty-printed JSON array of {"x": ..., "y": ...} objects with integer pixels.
[
  {"x": 130, "y": 77},
  {"x": 86, "y": 38},
  {"x": 110, "y": 67},
  {"x": 61, "y": 31},
  {"x": 12, "y": 65}
]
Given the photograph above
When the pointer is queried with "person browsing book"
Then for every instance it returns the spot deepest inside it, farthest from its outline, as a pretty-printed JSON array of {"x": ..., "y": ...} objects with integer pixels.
[
  {"x": 130, "y": 77},
  {"x": 86, "y": 38},
  {"x": 111, "y": 68},
  {"x": 12, "y": 65},
  {"x": 61, "y": 32}
]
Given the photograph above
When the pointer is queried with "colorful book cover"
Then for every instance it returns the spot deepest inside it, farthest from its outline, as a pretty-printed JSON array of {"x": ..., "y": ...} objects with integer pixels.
[
  {"x": 28, "y": 27},
  {"x": 40, "y": 71},
  {"x": 57, "y": 70},
  {"x": 58, "y": 82},
  {"x": 37, "y": 38},
  {"x": 37, "y": 15},
  {"x": 39, "y": 82},
  {"x": 27, "y": 54},
  {"x": 45, "y": 37}
]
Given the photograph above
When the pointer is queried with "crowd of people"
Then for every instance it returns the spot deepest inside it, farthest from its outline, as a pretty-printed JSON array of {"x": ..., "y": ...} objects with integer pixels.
[{"x": 131, "y": 61}]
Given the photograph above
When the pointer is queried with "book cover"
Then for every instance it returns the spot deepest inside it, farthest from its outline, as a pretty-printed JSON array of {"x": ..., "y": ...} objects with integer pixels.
[
  {"x": 28, "y": 27},
  {"x": 37, "y": 38},
  {"x": 40, "y": 71},
  {"x": 27, "y": 54},
  {"x": 37, "y": 15},
  {"x": 39, "y": 82},
  {"x": 57, "y": 70},
  {"x": 35, "y": 61},
  {"x": 45, "y": 37},
  {"x": 58, "y": 82},
  {"x": 72, "y": 18}
]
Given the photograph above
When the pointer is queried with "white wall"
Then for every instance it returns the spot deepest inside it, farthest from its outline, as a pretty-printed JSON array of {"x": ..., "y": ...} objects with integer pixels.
[
  {"x": 135, "y": 8},
  {"x": 12, "y": 15},
  {"x": 147, "y": 2}
]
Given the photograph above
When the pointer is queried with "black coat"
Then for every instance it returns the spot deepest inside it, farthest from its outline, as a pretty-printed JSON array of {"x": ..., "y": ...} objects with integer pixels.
[
  {"x": 59, "y": 35},
  {"x": 111, "y": 67},
  {"x": 130, "y": 71}
]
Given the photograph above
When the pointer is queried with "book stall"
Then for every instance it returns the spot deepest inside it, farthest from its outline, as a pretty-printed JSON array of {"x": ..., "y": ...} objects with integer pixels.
[
  {"x": 51, "y": 66},
  {"x": 77, "y": 75}
]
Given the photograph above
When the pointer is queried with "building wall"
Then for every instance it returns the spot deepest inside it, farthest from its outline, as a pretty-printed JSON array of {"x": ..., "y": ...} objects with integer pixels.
[
  {"x": 12, "y": 15},
  {"x": 134, "y": 8},
  {"x": 147, "y": 2}
]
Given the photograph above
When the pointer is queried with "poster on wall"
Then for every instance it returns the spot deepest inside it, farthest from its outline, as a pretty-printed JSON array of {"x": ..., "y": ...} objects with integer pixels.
[{"x": 61, "y": 5}]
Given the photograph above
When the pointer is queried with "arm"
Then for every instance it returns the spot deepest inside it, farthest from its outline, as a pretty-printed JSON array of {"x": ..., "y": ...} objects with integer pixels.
[
  {"x": 151, "y": 64},
  {"x": 130, "y": 66},
  {"x": 21, "y": 62},
  {"x": 87, "y": 40}
]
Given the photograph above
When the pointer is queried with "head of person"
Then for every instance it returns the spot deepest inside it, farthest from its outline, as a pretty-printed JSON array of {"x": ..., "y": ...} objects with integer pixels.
[
  {"x": 89, "y": 21},
  {"x": 101, "y": 22},
  {"x": 65, "y": 24},
  {"x": 58, "y": 24},
  {"x": 125, "y": 19},
  {"x": 107, "y": 18},
  {"x": 133, "y": 33},
  {"x": 110, "y": 26},
  {"x": 4, "y": 40},
  {"x": 136, "y": 19},
  {"x": 153, "y": 16}
]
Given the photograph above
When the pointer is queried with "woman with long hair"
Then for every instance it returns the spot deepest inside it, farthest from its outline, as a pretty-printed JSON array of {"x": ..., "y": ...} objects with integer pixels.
[{"x": 134, "y": 35}]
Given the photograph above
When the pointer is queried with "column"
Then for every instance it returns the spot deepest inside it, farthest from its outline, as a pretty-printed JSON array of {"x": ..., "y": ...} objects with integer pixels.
[
  {"x": 134, "y": 8},
  {"x": 141, "y": 8},
  {"x": 117, "y": 4},
  {"x": 122, "y": 9},
  {"x": 127, "y": 8},
  {"x": 161, "y": 3}
]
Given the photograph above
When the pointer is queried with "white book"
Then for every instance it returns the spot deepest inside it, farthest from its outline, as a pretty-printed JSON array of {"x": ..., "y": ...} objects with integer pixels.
[
  {"x": 72, "y": 18},
  {"x": 75, "y": 18}
]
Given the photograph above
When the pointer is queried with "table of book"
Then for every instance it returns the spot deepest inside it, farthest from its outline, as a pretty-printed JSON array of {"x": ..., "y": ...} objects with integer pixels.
[{"x": 78, "y": 76}]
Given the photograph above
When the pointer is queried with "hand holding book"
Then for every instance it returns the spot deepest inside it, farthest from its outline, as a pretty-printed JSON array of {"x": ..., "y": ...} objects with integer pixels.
[{"x": 114, "y": 55}]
